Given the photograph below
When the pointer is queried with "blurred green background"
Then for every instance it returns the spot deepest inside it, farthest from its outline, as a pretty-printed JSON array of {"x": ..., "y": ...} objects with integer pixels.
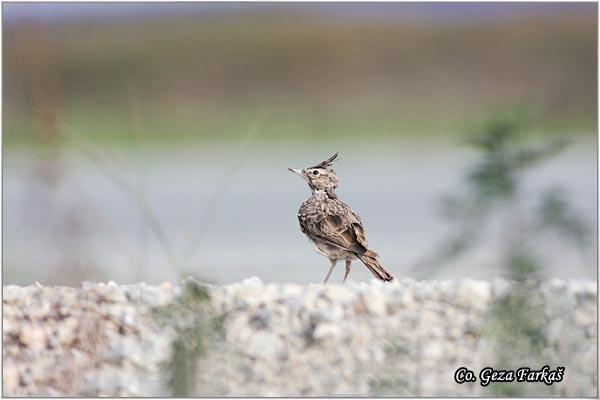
[
  {"x": 135, "y": 134},
  {"x": 202, "y": 71}
]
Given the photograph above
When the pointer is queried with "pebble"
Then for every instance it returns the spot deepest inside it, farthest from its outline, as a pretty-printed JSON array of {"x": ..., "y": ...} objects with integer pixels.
[
  {"x": 375, "y": 303},
  {"x": 10, "y": 378},
  {"x": 33, "y": 337},
  {"x": 474, "y": 294},
  {"x": 339, "y": 294},
  {"x": 584, "y": 319},
  {"x": 264, "y": 345},
  {"x": 325, "y": 330}
]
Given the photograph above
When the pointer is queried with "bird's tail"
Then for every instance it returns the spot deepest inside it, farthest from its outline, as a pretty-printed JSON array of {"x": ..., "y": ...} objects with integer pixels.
[{"x": 375, "y": 267}]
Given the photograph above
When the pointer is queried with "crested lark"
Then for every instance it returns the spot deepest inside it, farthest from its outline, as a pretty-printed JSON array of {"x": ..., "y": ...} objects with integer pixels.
[{"x": 332, "y": 225}]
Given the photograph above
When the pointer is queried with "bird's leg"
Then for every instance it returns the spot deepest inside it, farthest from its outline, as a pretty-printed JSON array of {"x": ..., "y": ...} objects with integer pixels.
[
  {"x": 333, "y": 262},
  {"x": 348, "y": 268}
]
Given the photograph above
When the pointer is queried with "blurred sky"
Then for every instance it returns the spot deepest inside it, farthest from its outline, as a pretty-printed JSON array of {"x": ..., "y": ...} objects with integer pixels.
[
  {"x": 206, "y": 70},
  {"x": 455, "y": 12}
]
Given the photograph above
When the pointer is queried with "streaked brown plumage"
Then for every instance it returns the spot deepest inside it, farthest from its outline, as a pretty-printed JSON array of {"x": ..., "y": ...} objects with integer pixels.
[{"x": 333, "y": 226}]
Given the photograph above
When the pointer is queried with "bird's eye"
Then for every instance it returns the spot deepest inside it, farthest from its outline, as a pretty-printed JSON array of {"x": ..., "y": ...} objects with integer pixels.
[{"x": 315, "y": 172}]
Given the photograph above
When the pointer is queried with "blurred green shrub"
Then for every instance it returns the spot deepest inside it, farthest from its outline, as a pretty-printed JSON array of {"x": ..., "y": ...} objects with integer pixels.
[
  {"x": 493, "y": 191},
  {"x": 195, "y": 328},
  {"x": 493, "y": 194}
]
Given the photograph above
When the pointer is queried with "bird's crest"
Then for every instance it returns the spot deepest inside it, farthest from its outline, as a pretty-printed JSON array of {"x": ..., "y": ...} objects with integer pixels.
[{"x": 326, "y": 163}]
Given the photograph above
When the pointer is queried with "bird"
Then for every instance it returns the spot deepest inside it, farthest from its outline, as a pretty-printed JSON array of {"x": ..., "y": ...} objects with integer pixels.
[{"x": 336, "y": 230}]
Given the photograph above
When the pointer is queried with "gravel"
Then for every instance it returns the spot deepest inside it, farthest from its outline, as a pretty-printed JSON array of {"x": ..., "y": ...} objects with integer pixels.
[{"x": 401, "y": 339}]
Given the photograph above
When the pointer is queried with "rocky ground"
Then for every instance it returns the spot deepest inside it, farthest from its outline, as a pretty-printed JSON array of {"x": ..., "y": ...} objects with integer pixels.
[{"x": 255, "y": 339}]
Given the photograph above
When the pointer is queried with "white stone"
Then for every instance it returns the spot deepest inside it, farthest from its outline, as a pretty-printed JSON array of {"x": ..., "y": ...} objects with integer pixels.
[
  {"x": 405, "y": 297},
  {"x": 253, "y": 281},
  {"x": 339, "y": 294},
  {"x": 10, "y": 378},
  {"x": 264, "y": 345},
  {"x": 583, "y": 318},
  {"x": 325, "y": 330},
  {"x": 473, "y": 294},
  {"x": 375, "y": 303},
  {"x": 291, "y": 290},
  {"x": 432, "y": 350},
  {"x": 34, "y": 337},
  {"x": 250, "y": 295}
]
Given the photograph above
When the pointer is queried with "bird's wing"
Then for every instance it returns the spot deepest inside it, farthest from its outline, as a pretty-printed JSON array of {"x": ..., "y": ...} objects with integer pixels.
[{"x": 338, "y": 225}]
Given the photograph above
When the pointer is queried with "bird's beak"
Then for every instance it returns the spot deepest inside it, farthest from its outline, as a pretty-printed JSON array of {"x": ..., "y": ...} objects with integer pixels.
[{"x": 298, "y": 172}]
